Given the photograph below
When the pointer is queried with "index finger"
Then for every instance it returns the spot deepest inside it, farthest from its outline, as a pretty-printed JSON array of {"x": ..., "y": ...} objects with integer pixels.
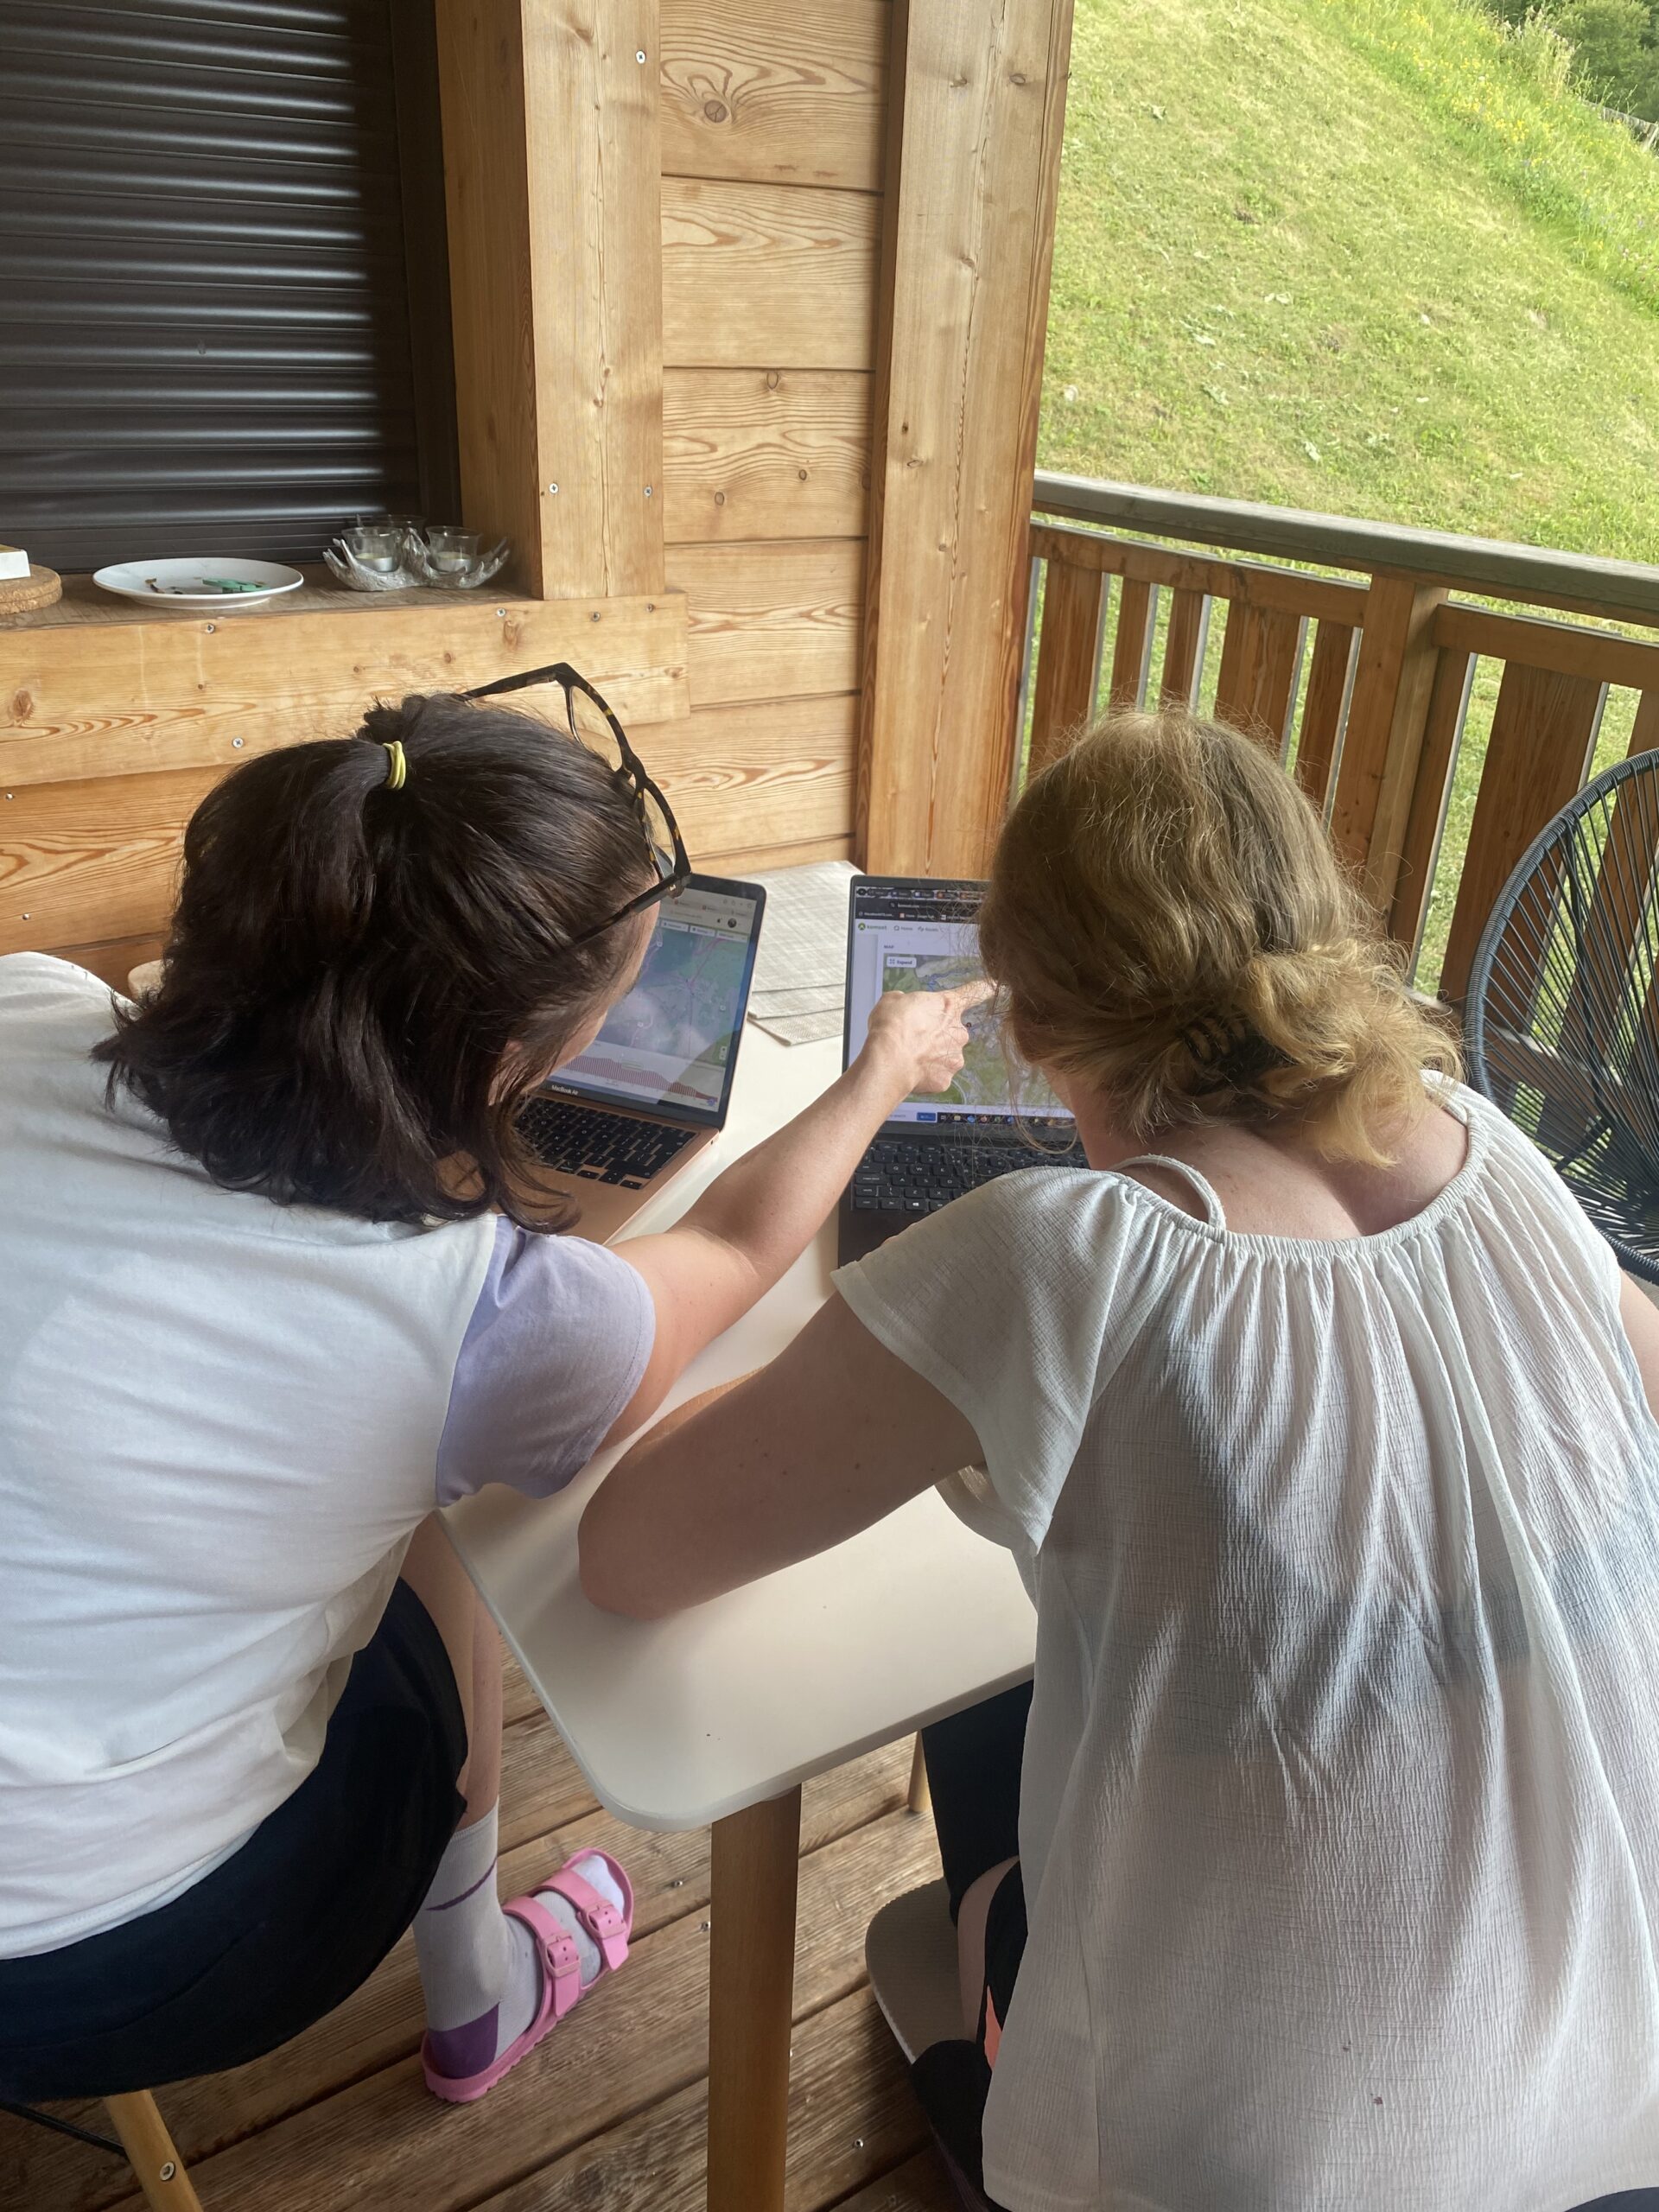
[{"x": 969, "y": 995}]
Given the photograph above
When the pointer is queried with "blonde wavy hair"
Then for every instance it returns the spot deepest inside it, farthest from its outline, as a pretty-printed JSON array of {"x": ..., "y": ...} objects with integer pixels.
[{"x": 1173, "y": 931}]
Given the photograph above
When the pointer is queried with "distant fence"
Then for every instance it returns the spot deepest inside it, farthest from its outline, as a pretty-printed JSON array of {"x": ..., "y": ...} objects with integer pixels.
[{"x": 1645, "y": 133}]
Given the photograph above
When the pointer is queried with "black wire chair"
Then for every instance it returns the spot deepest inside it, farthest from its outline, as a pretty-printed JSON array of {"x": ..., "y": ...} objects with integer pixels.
[{"x": 1561, "y": 1019}]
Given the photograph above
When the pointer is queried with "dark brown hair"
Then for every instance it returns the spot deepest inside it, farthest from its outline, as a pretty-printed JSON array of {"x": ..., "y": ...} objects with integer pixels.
[{"x": 348, "y": 962}]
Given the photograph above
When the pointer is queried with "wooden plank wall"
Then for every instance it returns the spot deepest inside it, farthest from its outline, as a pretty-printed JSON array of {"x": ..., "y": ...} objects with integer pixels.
[{"x": 772, "y": 127}]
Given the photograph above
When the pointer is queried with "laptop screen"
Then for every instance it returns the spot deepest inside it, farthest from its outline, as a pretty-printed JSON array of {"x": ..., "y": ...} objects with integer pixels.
[
  {"x": 671, "y": 1046},
  {"x": 904, "y": 934}
]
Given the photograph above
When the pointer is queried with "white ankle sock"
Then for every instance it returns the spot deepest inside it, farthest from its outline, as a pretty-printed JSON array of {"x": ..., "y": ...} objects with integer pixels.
[{"x": 480, "y": 1972}]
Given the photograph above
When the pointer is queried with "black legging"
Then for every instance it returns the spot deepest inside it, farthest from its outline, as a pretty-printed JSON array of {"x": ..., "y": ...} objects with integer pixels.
[{"x": 973, "y": 1770}]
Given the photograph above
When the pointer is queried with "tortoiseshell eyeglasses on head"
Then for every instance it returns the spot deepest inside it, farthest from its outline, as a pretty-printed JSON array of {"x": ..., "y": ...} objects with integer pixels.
[{"x": 664, "y": 842}]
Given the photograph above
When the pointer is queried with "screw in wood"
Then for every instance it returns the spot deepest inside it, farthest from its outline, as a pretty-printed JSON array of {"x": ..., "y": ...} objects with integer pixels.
[
  {"x": 640, "y": 55},
  {"x": 702, "y": 1925},
  {"x": 554, "y": 489},
  {"x": 211, "y": 626},
  {"x": 647, "y": 490},
  {"x": 167, "y": 2170},
  {"x": 238, "y": 743}
]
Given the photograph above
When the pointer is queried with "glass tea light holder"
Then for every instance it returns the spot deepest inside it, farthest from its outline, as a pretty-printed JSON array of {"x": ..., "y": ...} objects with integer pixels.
[
  {"x": 452, "y": 558},
  {"x": 375, "y": 555}
]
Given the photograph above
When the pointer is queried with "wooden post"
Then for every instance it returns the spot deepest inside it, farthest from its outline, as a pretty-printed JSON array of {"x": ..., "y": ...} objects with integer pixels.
[
  {"x": 753, "y": 1874},
  {"x": 155, "y": 2164},
  {"x": 552, "y": 169},
  {"x": 977, "y": 101},
  {"x": 1387, "y": 718}
]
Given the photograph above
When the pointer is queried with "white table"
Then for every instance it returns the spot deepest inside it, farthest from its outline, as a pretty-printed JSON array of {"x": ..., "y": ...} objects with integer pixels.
[{"x": 718, "y": 1716}]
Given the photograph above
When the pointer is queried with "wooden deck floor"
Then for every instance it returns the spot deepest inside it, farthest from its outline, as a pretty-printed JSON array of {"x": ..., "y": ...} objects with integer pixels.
[{"x": 608, "y": 2115}]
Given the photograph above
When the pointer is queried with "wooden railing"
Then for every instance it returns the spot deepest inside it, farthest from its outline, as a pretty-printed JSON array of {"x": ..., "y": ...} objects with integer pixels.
[{"x": 1393, "y": 702}]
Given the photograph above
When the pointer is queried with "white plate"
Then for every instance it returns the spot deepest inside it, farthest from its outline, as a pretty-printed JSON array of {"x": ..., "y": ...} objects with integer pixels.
[{"x": 187, "y": 583}]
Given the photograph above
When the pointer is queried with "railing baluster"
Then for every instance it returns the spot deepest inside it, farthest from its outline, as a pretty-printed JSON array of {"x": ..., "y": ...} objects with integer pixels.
[
  {"x": 1419, "y": 856},
  {"x": 1189, "y": 625},
  {"x": 1259, "y": 660},
  {"x": 1327, "y": 692},
  {"x": 1129, "y": 655},
  {"x": 1067, "y": 657},
  {"x": 1543, "y": 733}
]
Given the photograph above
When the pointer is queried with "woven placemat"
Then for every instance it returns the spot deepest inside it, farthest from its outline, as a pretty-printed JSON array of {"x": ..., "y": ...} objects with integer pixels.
[{"x": 27, "y": 594}]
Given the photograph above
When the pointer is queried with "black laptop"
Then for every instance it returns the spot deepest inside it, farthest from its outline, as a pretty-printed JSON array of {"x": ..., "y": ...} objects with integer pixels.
[
  {"x": 653, "y": 1089},
  {"x": 906, "y": 933}
]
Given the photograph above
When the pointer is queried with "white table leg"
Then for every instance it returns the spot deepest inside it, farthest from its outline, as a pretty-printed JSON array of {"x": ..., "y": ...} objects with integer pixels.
[{"x": 755, "y": 1860}]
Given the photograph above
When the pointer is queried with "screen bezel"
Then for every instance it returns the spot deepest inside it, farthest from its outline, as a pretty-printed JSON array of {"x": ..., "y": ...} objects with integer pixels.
[
  {"x": 690, "y": 1117},
  {"x": 971, "y": 890}
]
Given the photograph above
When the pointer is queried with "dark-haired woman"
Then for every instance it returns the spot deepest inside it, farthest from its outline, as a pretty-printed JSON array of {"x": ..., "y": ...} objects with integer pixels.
[{"x": 275, "y": 1284}]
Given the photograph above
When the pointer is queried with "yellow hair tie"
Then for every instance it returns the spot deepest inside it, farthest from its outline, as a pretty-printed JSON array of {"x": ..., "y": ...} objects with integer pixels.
[{"x": 398, "y": 769}]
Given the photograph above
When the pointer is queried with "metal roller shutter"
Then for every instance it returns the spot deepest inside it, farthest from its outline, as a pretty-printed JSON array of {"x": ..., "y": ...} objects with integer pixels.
[{"x": 214, "y": 214}]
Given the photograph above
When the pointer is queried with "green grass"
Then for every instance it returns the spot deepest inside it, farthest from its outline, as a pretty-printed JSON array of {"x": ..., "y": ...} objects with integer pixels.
[
  {"x": 1348, "y": 255},
  {"x": 1354, "y": 256}
]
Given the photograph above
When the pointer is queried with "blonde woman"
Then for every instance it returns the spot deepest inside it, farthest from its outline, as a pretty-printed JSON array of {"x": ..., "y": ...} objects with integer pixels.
[{"x": 1318, "y": 1419}]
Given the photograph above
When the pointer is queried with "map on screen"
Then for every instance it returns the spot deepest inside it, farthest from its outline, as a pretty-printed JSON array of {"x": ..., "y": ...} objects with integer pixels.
[
  {"x": 919, "y": 937},
  {"x": 669, "y": 1042},
  {"x": 983, "y": 1081}
]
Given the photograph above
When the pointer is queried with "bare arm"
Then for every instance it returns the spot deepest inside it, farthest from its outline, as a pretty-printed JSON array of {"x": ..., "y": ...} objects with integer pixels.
[
  {"x": 834, "y": 1434},
  {"x": 753, "y": 1222},
  {"x": 1641, "y": 1319}
]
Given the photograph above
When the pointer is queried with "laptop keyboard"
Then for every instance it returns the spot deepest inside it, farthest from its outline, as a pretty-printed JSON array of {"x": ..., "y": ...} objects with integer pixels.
[
  {"x": 898, "y": 1175},
  {"x": 602, "y": 1148}
]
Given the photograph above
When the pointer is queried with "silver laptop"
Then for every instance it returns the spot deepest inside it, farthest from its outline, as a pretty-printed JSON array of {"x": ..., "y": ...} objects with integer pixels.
[
  {"x": 655, "y": 1086},
  {"x": 907, "y": 933}
]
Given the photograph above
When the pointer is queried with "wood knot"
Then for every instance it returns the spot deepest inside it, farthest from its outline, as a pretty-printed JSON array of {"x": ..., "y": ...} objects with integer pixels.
[
  {"x": 716, "y": 111},
  {"x": 772, "y": 379},
  {"x": 720, "y": 499},
  {"x": 23, "y": 706}
]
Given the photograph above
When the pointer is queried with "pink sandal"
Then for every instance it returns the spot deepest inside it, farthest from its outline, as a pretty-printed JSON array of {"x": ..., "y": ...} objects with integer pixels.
[{"x": 562, "y": 1989}]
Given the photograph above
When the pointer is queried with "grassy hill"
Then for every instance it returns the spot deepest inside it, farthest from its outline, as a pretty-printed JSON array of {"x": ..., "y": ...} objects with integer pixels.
[
  {"x": 1353, "y": 255},
  {"x": 1361, "y": 255}
]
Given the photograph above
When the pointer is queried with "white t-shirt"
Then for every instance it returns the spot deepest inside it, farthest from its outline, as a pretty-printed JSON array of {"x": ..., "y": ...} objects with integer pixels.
[
  {"x": 1339, "y": 1820},
  {"x": 220, "y": 1421}
]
